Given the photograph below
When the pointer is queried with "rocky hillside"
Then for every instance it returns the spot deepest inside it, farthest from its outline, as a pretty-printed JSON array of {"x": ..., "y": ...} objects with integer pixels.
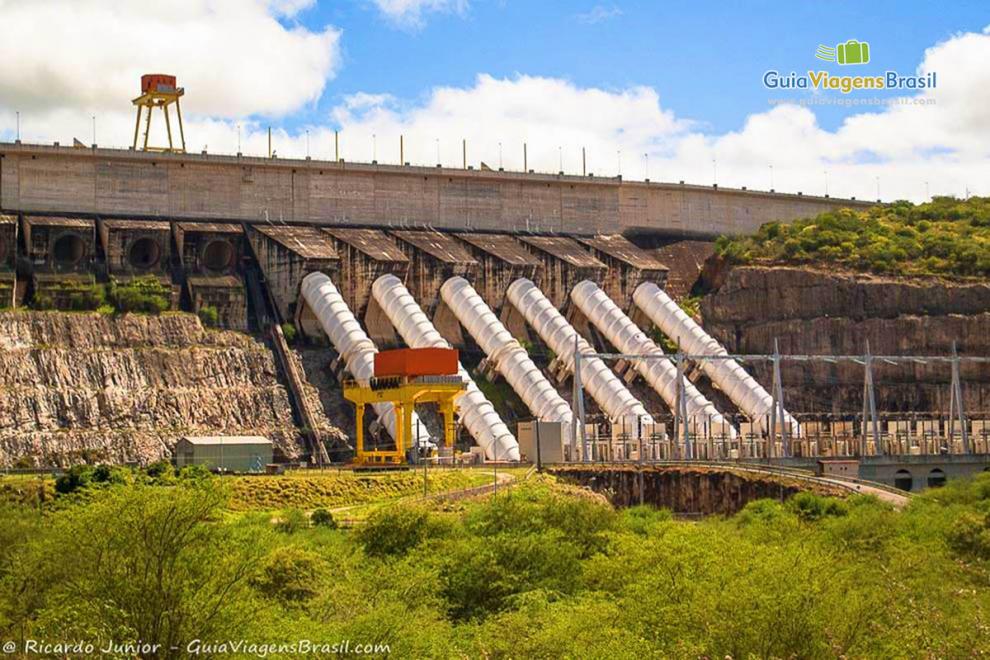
[
  {"x": 818, "y": 311},
  {"x": 92, "y": 387}
]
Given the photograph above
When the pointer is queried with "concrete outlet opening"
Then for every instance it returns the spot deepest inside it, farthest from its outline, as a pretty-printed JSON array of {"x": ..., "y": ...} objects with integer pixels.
[
  {"x": 145, "y": 253},
  {"x": 218, "y": 256},
  {"x": 903, "y": 480},
  {"x": 68, "y": 250}
]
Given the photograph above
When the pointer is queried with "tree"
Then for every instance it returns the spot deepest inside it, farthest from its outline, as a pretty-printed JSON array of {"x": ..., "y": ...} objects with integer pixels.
[{"x": 148, "y": 563}]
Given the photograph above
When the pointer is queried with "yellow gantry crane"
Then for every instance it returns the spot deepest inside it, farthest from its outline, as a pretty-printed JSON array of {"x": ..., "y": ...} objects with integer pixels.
[
  {"x": 404, "y": 378},
  {"x": 158, "y": 90}
]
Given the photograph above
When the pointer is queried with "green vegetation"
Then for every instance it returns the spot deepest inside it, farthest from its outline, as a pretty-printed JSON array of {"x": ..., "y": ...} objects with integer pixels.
[
  {"x": 542, "y": 571},
  {"x": 307, "y": 490},
  {"x": 145, "y": 294},
  {"x": 289, "y": 331},
  {"x": 209, "y": 316},
  {"x": 946, "y": 236}
]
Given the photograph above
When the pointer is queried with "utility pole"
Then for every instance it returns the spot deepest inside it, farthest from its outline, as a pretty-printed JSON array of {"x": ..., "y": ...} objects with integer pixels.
[
  {"x": 402, "y": 150},
  {"x": 464, "y": 152},
  {"x": 870, "y": 403},
  {"x": 525, "y": 159},
  {"x": 269, "y": 141},
  {"x": 18, "y": 113},
  {"x": 955, "y": 397},
  {"x": 336, "y": 146},
  {"x": 584, "y": 163}
]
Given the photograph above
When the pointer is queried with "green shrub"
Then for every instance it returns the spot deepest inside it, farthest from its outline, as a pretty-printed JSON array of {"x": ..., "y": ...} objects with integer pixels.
[
  {"x": 143, "y": 295},
  {"x": 289, "y": 331},
  {"x": 78, "y": 477},
  {"x": 810, "y": 507},
  {"x": 323, "y": 518},
  {"x": 194, "y": 472},
  {"x": 42, "y": 301},
  {"x": 289, "y": 574},
  {"x": 291, "y": 521},
  {"x": 396, "y": 530},
  {"x": 946, "y": 236},
  {"x": 160, "y": 469},
  {"x": 209, "y": 316}
]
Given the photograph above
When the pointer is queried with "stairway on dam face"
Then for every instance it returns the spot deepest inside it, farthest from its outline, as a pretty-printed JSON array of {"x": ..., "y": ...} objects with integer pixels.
[{"x": 116, "y": 389}]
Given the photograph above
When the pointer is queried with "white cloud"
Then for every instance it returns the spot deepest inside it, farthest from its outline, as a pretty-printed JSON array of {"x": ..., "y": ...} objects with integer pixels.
[
  {"x": 599, "y": 13},
  {"x": 946, "y": 144},
  {"x": 409, "y": 13},
  {"x": 233, "y": 57}
]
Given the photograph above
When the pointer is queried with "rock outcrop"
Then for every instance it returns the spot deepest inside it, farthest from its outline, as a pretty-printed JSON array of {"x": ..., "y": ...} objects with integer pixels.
[
  {"x": 101, "y": 388},
  {"x": 834, "y": 313}
]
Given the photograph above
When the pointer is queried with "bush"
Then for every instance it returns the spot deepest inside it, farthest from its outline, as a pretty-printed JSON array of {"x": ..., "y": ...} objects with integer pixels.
[
  {"x": 209, "y": 316},
  {"x": 292, "y": 521},
  {"x": 396, "y": 531},
  {"x": 289, "y": 330},
  {"x": 78, "y": 477},
  {"x": 945, "y": 236},
  {"x": 144, "y": 295},
  {"x": 323, "y": 518},
  {"x": 161, "y": 469},
  {"x": 289, "y": 574},
  {"x": 194, "y": 472},
  {"x": 111, "y": 474},
  {"x": 810, "y": 507},
  {"x": 86, "y": 297},
  {"x": 42, "y": 301}
]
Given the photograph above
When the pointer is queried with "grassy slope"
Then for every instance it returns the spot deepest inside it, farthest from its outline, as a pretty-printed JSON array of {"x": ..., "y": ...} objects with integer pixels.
[{"x": 944, "y": 237}]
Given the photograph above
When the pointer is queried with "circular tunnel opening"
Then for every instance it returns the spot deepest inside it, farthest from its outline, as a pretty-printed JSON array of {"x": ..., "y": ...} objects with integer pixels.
[
  {"x": 936, "y": 478},
  {"x": 145, "y": 253},
  {"x": 903, "y": 480},
  {"x": 218, "y": 255},
  {"x": 68, "y": 250}
]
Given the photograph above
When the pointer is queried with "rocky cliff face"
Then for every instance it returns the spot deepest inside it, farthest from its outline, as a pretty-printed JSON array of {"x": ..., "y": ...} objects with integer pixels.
[
  {"x": 823, "y": 312},
  {"x": 86, "y": 386}
]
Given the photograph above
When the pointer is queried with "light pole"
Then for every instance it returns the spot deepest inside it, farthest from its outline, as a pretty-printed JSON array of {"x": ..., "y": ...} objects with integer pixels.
[
  {"x": 646, "y": 167},
  {"x": 771, "y": 178},
  {"x": 878, "y": 188},
  {"x": 307, "y": 143},
  {"x": 238, "y": 138},
  {"x": 560, "y": 159},
  {"x": 374, "y": 148},
  {"x": 94, "y": 130},
  {"x": 438, "y": 152},
  {"x": 500, "y": 156},
  {"x": 714, "y": 171},
  {"x": 18, "y": 113},
  {"x": 619, "y": 157},
  {"x": 826, "y": 183}
]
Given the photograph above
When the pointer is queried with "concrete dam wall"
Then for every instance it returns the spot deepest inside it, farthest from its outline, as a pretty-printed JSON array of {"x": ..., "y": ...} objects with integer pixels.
[{"x": 109, "y": 182}]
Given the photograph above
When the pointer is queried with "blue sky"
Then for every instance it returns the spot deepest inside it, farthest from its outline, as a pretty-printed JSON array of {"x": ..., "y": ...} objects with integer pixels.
[
  {"x": 704, "y": 58},
  {"x": 661, "y": 90}
]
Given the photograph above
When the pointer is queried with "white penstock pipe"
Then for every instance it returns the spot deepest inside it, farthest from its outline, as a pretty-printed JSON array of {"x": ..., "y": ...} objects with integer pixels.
[
  {"x": 353, "y": 345},
  {"x": 476, "y": 411},
  {"x": 601, "y": 382},
  {"x": 727, "y": 374},
  {"x": 660, "y": 373},
  {"x": 505, "y": 353}
]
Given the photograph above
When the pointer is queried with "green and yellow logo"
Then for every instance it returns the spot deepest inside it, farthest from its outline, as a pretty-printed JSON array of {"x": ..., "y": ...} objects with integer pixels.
[{"x": 851, "y": 52}]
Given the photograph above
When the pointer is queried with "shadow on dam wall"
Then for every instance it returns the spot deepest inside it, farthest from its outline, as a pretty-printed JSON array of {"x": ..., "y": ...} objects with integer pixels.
[{"x": 687, "y": 490}]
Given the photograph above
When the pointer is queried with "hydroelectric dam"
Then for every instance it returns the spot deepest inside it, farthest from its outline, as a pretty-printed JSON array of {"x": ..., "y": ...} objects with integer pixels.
[{"x": 534, "y": 277}]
